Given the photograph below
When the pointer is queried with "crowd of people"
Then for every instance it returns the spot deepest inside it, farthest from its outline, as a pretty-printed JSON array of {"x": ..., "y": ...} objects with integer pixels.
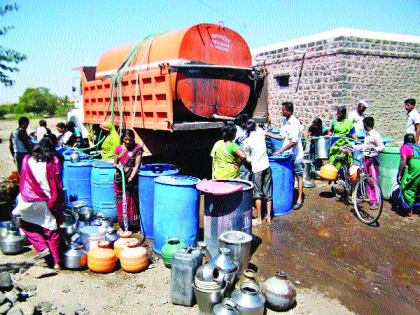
[{"x": 241, "y": 153}]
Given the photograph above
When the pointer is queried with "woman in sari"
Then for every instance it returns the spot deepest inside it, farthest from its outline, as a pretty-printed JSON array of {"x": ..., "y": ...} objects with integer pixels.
[
  {"x": 111, "y": 142},
  {"x": 409, "y": 174},
  {"x": 341, "y": 129},
  {"x": 128, "y": 155},
  {"x": 41, "y": 200},
  {"x": 227, "y": 155}
]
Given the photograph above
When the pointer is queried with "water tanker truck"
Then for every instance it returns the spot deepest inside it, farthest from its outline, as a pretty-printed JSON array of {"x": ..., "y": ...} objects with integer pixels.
[{"x": 175, "y": 89}]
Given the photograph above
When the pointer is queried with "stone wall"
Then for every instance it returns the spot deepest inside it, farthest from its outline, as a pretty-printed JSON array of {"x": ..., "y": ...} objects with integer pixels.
[{"x": 342, "y": 69}]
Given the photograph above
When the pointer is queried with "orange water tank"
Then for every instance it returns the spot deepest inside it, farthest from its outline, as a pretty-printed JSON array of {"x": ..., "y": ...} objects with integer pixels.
[
  {"x": 197, "y": 90},
  {"x": 102, "y": 258},
  {"x": 133, "y": 258}
]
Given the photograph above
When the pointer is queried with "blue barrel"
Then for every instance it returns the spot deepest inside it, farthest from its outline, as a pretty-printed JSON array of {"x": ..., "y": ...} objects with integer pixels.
[
  {"x": 147, "y": 175},
  {"x": 230, "y": 212},
  {"x": 282, "y": 169},
  {"x": 278, "y": 144},
  {"x": 66, "y": 152},
  {"x": 79, "y": 181},
  {"x": 176, "y": 210},
  {"x": 102, "y": 186}
]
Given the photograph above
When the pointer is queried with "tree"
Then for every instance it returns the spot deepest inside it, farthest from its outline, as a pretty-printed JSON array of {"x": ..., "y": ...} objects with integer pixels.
[
  {"x": 8, "y": 58},
  {"x": 38, "y": 101}
]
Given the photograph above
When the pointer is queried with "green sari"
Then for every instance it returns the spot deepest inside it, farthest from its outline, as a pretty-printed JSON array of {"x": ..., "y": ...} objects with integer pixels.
[
  {"x": 111, "y": 142},
  {"x": 410, "y": 182},
  {"x": 225, "y": 164},
  {"x": 343, "y": 130}
]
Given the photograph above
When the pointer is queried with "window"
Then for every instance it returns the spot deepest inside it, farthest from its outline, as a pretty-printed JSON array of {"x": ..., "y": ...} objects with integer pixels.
[{"x": 283, "y": 81}]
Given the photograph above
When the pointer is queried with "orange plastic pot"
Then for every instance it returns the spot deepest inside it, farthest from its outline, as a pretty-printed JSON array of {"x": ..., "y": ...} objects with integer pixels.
[
  {"x": 133, "y": 258},
  {"x": 354, "y": 171},
  {"x": 122, "y": 242},
  {"x": 328, "y": 172},
  {"x": 101, "y": 259}
]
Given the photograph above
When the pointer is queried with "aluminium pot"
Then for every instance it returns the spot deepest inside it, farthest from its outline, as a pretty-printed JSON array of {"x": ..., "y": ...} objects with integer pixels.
[
  {"x": 248, "y": 298},
  {"x": 322, "y": 148},
  {"x": 226, "y": 264},
  {"x": 239, "y": 244},
  {"x": 226, "y": 307},
  {"x": 5, "y": 226},
  {"x": 208, "y": 298},
  {"x": 85, "y": 214},
  {"x": 12, "y": 243},
  {"x": 75, "y": 257},
  {"x": 279, "y": 292}
]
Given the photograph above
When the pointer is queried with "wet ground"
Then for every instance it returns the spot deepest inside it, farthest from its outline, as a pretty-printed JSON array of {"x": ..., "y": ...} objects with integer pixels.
[{"x": 369, "y": 269}]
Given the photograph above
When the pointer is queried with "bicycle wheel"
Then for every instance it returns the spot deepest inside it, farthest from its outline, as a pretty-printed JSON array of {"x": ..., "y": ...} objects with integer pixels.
[
  {"x": 367, "y": 199},
  {"x": 339, "y": 189}
]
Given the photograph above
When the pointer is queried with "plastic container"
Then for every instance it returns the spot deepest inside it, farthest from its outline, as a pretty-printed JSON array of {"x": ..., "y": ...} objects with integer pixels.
[
  {"x": 328, "y": 172},
  {"x": 147, "y": 175},
  {"x": 282, "y": 170},
  {"x": 176, "y": 210},
  {"x": 278, "y": 144},
  {"x": 133, "y": 258},
  {"x": 102, "y": 186},
  {"x": 122, "y": 242},
  {"x": 354, "y": 171},
  {"x": 389, "y": 162},
  {"x": 79, "y": 188},
  {"x": 185, "y": 262},
  {"x": 101, "y": 259},
  {"x": 169, "y": 249},
  {"x": 227, "y": 212}
]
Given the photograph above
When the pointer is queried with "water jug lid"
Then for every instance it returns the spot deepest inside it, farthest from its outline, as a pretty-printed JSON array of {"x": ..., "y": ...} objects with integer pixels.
[{"x": 235, "y": 237}]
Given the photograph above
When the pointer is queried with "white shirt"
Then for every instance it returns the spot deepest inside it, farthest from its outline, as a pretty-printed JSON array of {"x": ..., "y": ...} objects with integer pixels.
[
  {"x": 357, "y": 120},
  {"x": 373, "y": 140},
  {"x": 292, "y": 132},
  {"x": 254, "y": 147},
  {"x": 37, "y": 212},
  {"x": 240, "y": 136},
  {"x": 413, "y": 118}
]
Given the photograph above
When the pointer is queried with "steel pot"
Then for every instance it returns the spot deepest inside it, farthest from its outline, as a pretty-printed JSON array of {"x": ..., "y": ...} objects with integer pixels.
[
  {"x": 226, "y": 264},
  {"x": 322, "y": 148},
  {"x": 248, "y": 298},
  {"x": 105, "y": 222},
  {"x": 75, "y": 257},
  {"x": 15, "y": 225},
  {"x": 85, "y": 214},
  {"x": 75, "y": 157},
  {"x": 279, "y": 292},
  {"x": 74, "y": 206},
  {"x": 111, "y": 236},
  {"x": 90, "y": 236},
  {"x": 12, "y": 243},
  {"x": 227, "y": 307},
  {"x": 239, "y": 244},
  {"x": 5, "y": 226},
  {"x": 208, "y": 298},
  {"x": 69, "y": 226}
]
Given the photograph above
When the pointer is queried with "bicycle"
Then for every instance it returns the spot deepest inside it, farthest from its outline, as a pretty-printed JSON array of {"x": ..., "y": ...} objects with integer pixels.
[{"x": 368, "y": 207}]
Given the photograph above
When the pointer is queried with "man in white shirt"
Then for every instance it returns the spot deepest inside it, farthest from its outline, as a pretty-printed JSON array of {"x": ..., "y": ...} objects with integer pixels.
[
  {"x": 356, "y": 116},
  {"x": 413, "y": 118},
  {"x": 241, "y": 135},
  {"x": 291, "y": 133},
  {"x": 254, "y": 147}
]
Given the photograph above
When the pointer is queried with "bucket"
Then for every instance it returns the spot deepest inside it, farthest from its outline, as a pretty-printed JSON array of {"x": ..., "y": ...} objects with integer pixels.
[
  {"x": 282, "y": 169},
  {"x": 176, "y": 202},
  {"x": 79, "y": 175},
  {"x": 389, "y": 162},
  {"x": 239, "y": 244},
  {"x": 322, "y": 148},
  {"x": 147, "y": 175},
  {"x": 227, "y": 212},
  {"x": 102, "y": 186}
]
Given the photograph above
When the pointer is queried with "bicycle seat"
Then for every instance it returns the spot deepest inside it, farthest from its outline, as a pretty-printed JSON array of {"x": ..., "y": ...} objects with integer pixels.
[{"x": 341, "y": 158}]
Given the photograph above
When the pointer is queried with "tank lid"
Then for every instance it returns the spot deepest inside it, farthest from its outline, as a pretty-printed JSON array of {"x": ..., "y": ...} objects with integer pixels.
[
  {"x": 177, "y": 180},
  {"x": 281, "y": 156},
  {"x": 82, "y": 163},
  {"x": 216, "y": 187},
  {"x": 235, "y": 237},
  {"x": 107, "y": 163},
  {"x": 391, "y": 149},
  {"x": 155, "y": 170}
]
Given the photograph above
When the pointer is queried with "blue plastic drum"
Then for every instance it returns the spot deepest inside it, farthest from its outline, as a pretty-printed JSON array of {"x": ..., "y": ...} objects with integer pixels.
[
  {"x": 79, "y": 175},
  {"x": 278, "y": 144},
  {"x": 102, "y": 186},
  {"x": 282, "y": 169},
  {"x": 176, "y": 210},
  {"x": 66, "y": 152},
  {"x": 147, "y": 175}
]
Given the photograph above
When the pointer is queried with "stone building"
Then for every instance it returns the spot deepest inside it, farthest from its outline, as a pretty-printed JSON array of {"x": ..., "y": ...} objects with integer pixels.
[{"x": 321, "y": 72}]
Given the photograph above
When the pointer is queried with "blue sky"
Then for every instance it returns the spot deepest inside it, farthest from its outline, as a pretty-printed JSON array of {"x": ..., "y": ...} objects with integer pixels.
[{"x": 58, "y": 35}]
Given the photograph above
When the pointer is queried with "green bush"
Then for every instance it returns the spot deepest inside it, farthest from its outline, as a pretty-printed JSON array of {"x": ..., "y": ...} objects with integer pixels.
[{"x": 3, "y": 111}]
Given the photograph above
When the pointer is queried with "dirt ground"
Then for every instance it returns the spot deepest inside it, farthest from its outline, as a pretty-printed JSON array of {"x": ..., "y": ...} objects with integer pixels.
[{"x": 338, "y": 265}]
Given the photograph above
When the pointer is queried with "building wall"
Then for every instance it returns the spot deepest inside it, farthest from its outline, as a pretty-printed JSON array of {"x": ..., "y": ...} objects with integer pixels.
[{"x": 339, "y": 70}]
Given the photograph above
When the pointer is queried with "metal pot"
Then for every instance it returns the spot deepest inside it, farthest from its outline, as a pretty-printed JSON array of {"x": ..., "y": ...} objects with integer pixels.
[
  {"x": 322, "y": 148},
  {"x": 75, "y": 206},
  {"x": 111, "y": 236},
  {"x": 75, "y": 257},
  {"x": 16, "y": 222},
  {"x": 4, "y": 228},
  {"x": 12, "y": 243},
  {"x": 105, "y": 223},
  {"x": 279, "y": 292},
  {"x": 307, "y": 174},
  {"x": 239, "y": 244},
  {"x": 248, "y": 298},
  {"x": 208, "y": 298},
  {"x": 90, "y": 236},
  {"x": 85, "y": 214},
  {"x": 227, "y": 307},
  {"x": 75, "y": 157},
  {"x": 226, "y": 264}
]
